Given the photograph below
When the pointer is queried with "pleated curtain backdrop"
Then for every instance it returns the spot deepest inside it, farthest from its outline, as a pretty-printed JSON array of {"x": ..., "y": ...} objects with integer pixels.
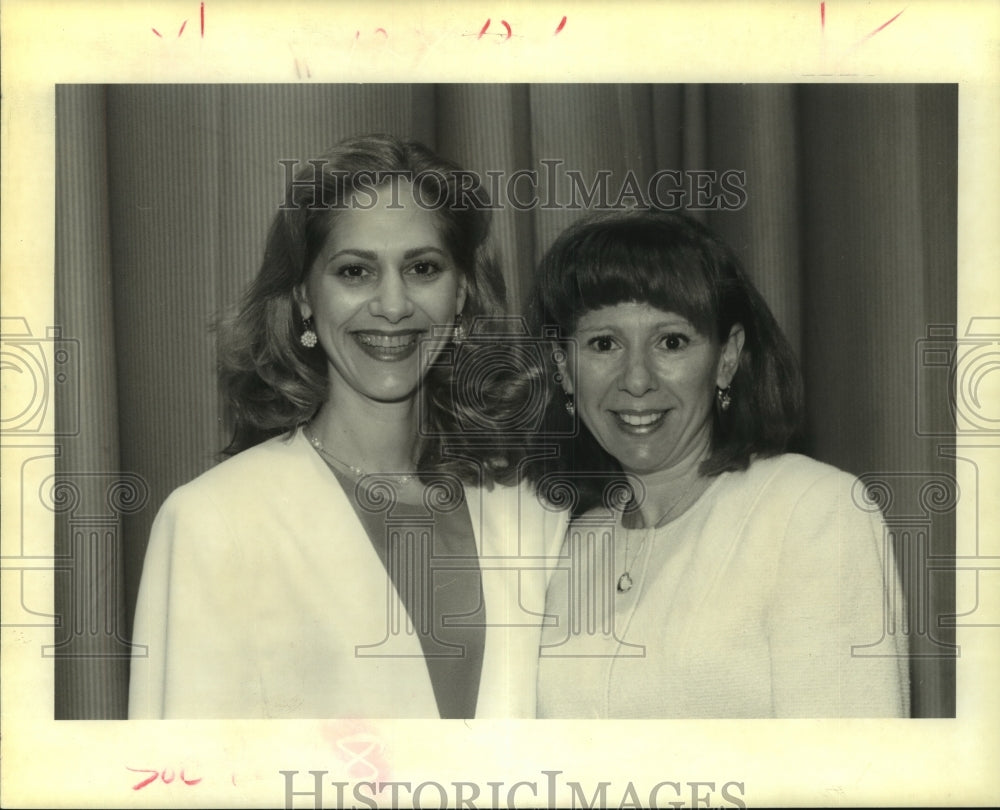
[{"x": 164, "y": 194}]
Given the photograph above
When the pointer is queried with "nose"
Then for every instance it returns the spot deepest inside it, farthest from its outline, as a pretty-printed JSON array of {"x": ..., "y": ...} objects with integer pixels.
[
  {"x": 391, "y": 299},
  {"x": 636, "y": 376}
]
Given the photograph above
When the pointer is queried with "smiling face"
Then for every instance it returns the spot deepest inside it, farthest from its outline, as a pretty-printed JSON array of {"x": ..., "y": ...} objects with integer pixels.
[
  {"x": 644, "y": 382},
  {"x": 380, "y": 283}
]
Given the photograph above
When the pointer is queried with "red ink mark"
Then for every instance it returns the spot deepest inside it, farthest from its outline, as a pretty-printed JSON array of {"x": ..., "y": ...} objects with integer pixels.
[
  {"x": 506, "y": 25},
  {"x": 357, "y": 749},
  {"x": 361, "y": 750},
  {"x": 167, "y": 775},
  {"x": 883, "y": 25},
  {"x": 234, "y": 780},
  {"x": 483, "y": 29},
  {"x": 157, "y": 33},
  {"x": 822, "y": 16},
  {"x": 202, "y": 9},
  {"x": 562, "y": 24},
  {"x": 144, "y": 782},
  {"x": 383, "y": 32},
  {"x": 183, "y": 26}
]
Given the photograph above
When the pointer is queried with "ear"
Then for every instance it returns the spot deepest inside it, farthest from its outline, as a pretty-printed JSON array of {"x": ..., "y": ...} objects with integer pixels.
[
  {"x": 302, "y": 299},
  {"x": 561, "y": 355},
  {"x": 729, "y": 357}
]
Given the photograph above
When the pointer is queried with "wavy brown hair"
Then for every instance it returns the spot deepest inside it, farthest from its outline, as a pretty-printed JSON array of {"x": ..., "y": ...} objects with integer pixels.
[{"x": 269, "y": 381}]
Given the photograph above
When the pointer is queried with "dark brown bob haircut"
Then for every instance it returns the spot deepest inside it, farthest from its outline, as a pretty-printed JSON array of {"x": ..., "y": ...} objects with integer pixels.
[{"x": 672, "y": 262}]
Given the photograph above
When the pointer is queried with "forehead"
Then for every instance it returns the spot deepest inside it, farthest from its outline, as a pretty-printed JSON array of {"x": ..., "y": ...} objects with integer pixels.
[
  {"x": 384, "y": 217},
  {"x": 631, "y": 316}
]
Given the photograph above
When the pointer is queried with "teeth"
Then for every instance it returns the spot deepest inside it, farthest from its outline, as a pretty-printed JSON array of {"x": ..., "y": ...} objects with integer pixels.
[
  {"x": 387, "y": 341},
  {"x": 640, "y": 420}
]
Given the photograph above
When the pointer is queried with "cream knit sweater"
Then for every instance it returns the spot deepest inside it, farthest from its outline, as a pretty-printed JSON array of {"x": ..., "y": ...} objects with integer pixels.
[{"x": 775, "y": 595}]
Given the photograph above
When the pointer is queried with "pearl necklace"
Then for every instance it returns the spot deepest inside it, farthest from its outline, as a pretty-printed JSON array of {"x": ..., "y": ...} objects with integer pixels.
[
  {"x": 625, "y": 581},
  {"x": 357, "y": 472}
]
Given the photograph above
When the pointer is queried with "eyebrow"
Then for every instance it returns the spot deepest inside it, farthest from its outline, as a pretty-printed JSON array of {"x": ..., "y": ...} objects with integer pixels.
[{"x": 372, "y": 255}]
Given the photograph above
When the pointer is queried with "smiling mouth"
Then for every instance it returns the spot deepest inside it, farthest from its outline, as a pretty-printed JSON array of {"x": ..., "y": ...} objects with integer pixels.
[
  {"x": 639, "y": 421},
  {"x": 388, "y": 345}
]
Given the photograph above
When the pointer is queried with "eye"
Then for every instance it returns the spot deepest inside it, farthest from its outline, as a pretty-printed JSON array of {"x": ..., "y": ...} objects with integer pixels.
[
  {"x": 425, "y": 268},
  {"x": 675, "y": 341},
  {"x": 353, "y": 272},
  {"x": 602, "y": 343}
]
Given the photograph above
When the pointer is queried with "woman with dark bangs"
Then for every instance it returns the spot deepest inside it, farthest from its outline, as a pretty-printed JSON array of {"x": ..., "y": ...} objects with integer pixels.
[
  {"x": 709, "y": 572},
  {"x": 330, "y": 567}
]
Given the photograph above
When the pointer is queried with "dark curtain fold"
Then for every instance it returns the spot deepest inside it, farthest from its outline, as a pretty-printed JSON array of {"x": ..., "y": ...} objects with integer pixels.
[{"x": 164, "y": 195}]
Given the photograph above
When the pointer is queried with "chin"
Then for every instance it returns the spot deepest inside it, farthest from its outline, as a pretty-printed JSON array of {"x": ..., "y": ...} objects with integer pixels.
[
  {"x": 401, "y": 394},
  {"x": 642, "y": 465}
]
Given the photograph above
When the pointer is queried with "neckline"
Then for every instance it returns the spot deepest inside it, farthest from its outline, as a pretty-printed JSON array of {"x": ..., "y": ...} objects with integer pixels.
[{"x": 652, "y": 531}]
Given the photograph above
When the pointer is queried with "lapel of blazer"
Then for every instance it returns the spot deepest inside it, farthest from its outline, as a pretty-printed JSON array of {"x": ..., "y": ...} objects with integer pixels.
[{"x": 374, "y": 619}]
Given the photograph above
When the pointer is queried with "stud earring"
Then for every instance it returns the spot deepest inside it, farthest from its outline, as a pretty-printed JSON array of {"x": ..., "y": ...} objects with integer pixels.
[
  {"x": 570, "y": 404},
  {"x": 723, "y": 397},
  {"x": 308, "y": 337}
]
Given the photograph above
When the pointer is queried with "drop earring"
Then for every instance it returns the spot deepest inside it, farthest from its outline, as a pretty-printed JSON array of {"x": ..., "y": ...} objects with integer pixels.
[
  {"x": 459, "y": 334},
  {"x": 570, "y": 404},
  {"x": 723, "y": 397},
  {"x": 308, "y": 337}
]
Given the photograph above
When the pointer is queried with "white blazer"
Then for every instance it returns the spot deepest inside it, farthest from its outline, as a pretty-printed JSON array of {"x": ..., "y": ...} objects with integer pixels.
[{"x": 262, "y": 597}]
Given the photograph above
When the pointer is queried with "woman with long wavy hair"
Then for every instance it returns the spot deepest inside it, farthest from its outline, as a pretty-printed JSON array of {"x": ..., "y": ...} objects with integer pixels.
[{"x": 330, "y": 566}]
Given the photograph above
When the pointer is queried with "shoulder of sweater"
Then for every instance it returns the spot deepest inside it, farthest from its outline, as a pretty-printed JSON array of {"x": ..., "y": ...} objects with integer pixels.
[{"x": 794, "y": 471}]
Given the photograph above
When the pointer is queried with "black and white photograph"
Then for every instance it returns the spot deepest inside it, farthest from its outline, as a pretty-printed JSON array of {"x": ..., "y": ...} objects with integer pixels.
[{"x": 512, "y": 413}]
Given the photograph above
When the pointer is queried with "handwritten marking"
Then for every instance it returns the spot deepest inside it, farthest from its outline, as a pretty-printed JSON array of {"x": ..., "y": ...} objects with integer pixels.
[
  {"x": 484, "y": 29},
  {"x": 383, "y": 32},
  {"x": 167, "y": 775},
  {"x": 562, "y": 24},
  {"x": 144, "y": 782},
  {"x": 506, "y": 25},
  {"x": 201, "y": 15},
  {"x": 883, "y": 25},
  {"x": 822, "y": 17}
]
